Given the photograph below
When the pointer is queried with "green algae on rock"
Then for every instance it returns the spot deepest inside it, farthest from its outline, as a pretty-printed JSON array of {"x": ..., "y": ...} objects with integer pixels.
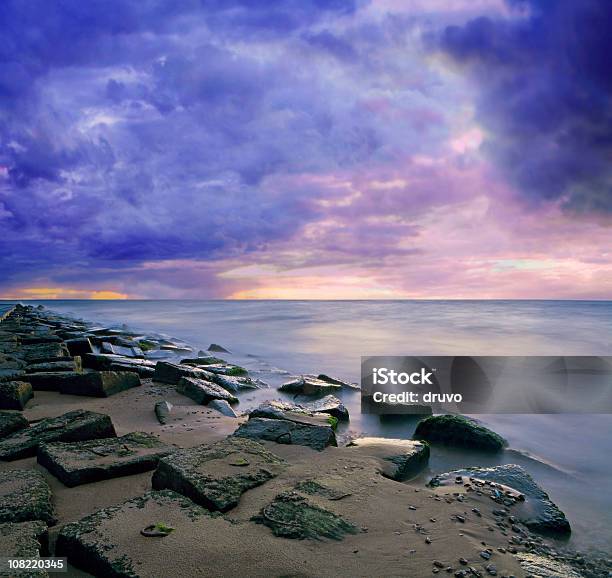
[
  {"x": 25, "y": 495},
  {"x": 215, "y": 476},
  {"x": 290, "y": 515}
]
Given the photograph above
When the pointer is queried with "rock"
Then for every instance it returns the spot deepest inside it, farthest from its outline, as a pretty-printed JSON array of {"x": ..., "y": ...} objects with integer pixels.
[
  {"x": 204, "y": 360},
  {"x": 217, "y": 348},
  {"x": 541, "y": 567},
  {"x": 81, "y": 462},
  {"x": 162, "y": 411},
  {"x": 291, "y": 515},
  {"x": 276, "y": 409},
  {"x": 73, "y": 365},
  {"x": 25, "y": 495},
  {"x": 336, "y": 381},
  {"x": 79, "y": 346},
  {"x": 235, "y": 383},
  {"x": 108, "y": 543},
  {"x": 73, "y": 426},
  {"x": 15, "y": 394},
  {"x": 285, "y": 431},
  {"x": 202, "y": 391},
  {"x": 309, "y": 386},
  {"x": 536, "y": 511},
  {"x": 223, "y": 407},
  {"x": 11, "y": 422},
  {"x": 121, "y": 350},
  {"x": 11, "y": 374},
  {"x": 399, "y": 459},
  {"x": 167, "y": 372},
  {"x": 106, "y": 361},
  {"x": 329, "y": 404},
  {"x": 215, "y": 476},
  {"x": 91, "y": 384},
  {"x": 456, "y": 430},
  {"x": 42, "y": 353},
  {"x": 24, "y": 540}
]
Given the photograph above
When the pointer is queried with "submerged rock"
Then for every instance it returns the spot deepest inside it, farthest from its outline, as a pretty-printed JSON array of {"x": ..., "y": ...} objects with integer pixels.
[
  {"x": 162, "y": 411},
  {"x": 400, "y": 459},
  {"x": 223, "y": 407},
  {"x": 235, "y": 383},
  {"x": 215, "y": 476},
  {"x": 70, "y": 427},
  {"x": 296, "y": 430},
  {"x": 15, "y": 394},
  {"x": 309, "y": 386},
  {"x": 202, "y": 391},
  {"x": 203, "y": 360},
  {"x": 11, "y": 422},
  {"x": 291, "y": 515},
  {"x": 41, "y": 353},
  {"x": 217, "y": 348},
  {"x": 25, "y": 495},
  {"x": 90, "y": 461},
  {"x": 536, "y": 511},
  {"x": 110, "y": 362},
  {"x": 456, "y": 430}
]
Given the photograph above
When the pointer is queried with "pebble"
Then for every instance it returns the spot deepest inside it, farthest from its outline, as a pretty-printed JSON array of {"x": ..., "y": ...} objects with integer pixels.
[
  {"x": 491, "y": 569},
  {"x": 460, "y": 518},
  {"x": 463, "y": 561},
  {"x": 438, "y": 564},
  {"x": 484, "y": 554},
  {"x": 428, "y": 540},
  {"x": 411, "y": 507}
]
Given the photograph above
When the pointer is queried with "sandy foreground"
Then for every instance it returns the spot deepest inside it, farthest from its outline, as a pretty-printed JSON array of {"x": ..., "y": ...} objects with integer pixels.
[{"x": 393, "y": 537}]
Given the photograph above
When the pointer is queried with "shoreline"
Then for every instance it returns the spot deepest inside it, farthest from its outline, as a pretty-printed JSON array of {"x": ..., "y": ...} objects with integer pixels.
[{"x": 391, "y": 539}]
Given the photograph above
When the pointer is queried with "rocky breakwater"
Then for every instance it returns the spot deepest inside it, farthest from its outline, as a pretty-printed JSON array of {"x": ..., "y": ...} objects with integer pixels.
[{"x": 276, "y": 492}]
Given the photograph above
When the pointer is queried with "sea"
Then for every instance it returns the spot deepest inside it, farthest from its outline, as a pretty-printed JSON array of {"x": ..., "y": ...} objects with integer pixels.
[{"x": 569, "y": 455}]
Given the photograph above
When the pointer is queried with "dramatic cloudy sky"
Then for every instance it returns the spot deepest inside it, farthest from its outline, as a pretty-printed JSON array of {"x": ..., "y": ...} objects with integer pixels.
[{"x": 306, "y": 148}]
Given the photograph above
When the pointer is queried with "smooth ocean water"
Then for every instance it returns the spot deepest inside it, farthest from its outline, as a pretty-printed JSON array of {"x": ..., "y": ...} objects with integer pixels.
[{"x": 569, "y": 455}]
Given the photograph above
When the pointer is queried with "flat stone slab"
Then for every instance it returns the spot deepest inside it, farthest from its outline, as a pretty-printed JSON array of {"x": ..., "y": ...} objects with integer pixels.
[
  {"x": 534, "y": 508},
  {"x": 172, "y": 373},
  {"x": 291, "y": 515},
  {"x": 202, "y": 391},
  {"x": 330, "y": 405},
  {"x": 43, "y": 352},
  {"x": 307, "y": 385},
  {"x": 215, "y": 476},
  {"x": 91, "y": 384},
  {"x": 71, "y": 364},
  {"x": 24, "y": 540},
  {"x": 79, "y": 346},
  {"x": 11, "y": 422},
  {"x": 74, "y": 426},
  {"x": 25, "y": 495},
  {"x": 109, "y": 543},
  {"x": 400, "y": 459},
  {"x": 110, "y": 362},
  {"x": 90, "y": 461},
  {"x": 285, "y": 431},
  {"x": 235, "y": 384},
  {"x": 15, "y": 394},
  {"x": 277, "y": 409}
]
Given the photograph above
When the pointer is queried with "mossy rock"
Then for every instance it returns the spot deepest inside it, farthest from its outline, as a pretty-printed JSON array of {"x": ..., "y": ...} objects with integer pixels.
[
  {"x": 24, "y": 540},
  {"x": 25, "y": 495},
  {"x": 456, "y": 430},
  {"x": 292, "y": 516},
  {"x": 10, "y": 422}
]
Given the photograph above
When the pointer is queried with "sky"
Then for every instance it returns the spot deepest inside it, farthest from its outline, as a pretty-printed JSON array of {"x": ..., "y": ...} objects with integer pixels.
[{"x": 299, "y": 149}]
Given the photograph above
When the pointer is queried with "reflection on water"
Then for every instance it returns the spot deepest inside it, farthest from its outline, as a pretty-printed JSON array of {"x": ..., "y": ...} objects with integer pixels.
[{"x": 570, "y": 452}]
